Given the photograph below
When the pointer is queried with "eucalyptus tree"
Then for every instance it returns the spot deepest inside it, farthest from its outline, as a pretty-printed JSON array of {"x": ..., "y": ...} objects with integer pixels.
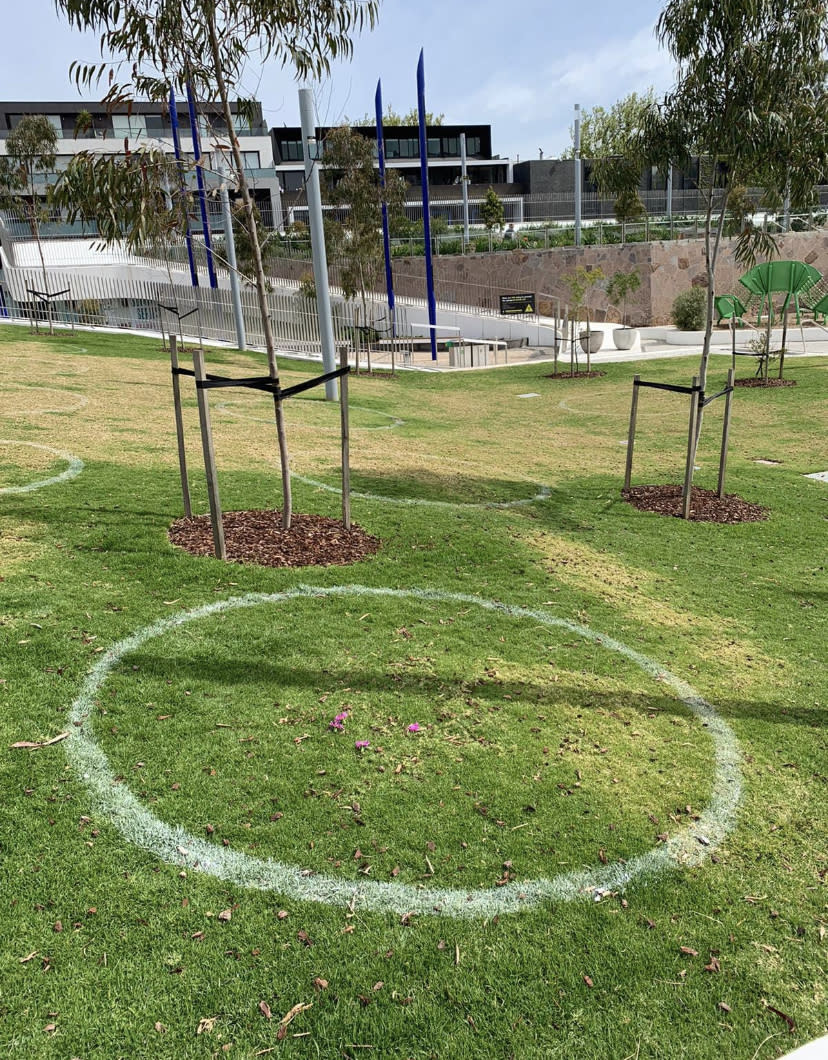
[
  {"x": 149, "y": 46},
  {"x": 749, "y": 102},
  {"x": 352, "y": 182},
  {"x": 30, "y": 155}
]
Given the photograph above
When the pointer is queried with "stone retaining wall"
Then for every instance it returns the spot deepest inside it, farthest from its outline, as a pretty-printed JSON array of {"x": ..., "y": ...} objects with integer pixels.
[{"x": 666, "y": 269}]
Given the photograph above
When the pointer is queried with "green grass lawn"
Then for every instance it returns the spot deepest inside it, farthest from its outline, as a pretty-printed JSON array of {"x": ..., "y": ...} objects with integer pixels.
[{"x": 538, "y": 752}]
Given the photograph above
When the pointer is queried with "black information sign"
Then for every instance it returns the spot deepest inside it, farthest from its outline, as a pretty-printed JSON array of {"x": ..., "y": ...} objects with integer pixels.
[{"x": 516, "y": 304}]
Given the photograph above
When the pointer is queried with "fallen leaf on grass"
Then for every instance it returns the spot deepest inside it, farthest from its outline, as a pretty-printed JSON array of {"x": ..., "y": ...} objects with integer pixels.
[
  {"x": 304, "y": 938},
  {"x": 689, "y": 951},
  {"x": 723, "y": 1005},
  {"x": 588, "y": 981},
  {"x": 289, "y": 1017},
  {"x": 225, "y": 915},
  {"x": 781, "y": 1015},
  {"x": 320, "y": 984},
  {"x": 50, "y": 1028},
  {"x": 206, "y": 1025},
  {"x": 29, "y": 745},
  {"x": 27, "y": 958},
  {"x": 264, "y": 1008},
  {"x": 714, "y": 965},
  {"x": 282, "y": 914}
]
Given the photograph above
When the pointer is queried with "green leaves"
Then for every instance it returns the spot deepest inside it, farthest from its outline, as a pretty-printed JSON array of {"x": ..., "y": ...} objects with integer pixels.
[{"x": 134, "y": 199}]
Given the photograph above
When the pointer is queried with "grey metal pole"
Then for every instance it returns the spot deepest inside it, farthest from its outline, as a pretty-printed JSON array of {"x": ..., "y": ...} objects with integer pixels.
[
  {"x": 230, "y": 244},
  {"x": 577, "y": 146},
  {"x": 670, "y": 191},
  {"x": 313, "y": 156},
  {"x": 464, "y": 180}
]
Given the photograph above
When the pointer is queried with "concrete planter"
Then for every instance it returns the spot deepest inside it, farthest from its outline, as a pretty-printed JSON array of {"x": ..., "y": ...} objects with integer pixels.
[
  {"x": 593, "y": 339},
  {"x": 625, "y": 338}
]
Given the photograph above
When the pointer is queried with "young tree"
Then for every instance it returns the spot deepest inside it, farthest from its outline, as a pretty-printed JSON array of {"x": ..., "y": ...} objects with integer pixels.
[
  {"x": 751, "y": 77},
  {"x": 491, "y": 210},
  {"x": 30, "y": 152},
  {"x": 207, "y": 43},
  {"x": 352, "y": 181}
]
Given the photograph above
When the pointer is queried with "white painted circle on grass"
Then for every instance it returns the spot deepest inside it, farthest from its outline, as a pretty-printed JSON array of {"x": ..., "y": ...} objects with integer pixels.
[
  {"x": 544, "y": 493},
  {"x": 175, "y": 845},
  {"x": 228, "y": 408},
  {"x": 82, "y": 400},
  {"x": 72, "y": 471}
]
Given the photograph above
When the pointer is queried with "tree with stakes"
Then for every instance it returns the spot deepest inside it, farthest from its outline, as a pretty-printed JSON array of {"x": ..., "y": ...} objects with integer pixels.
[
  {"x": 160, "y": 44},
  {"x": 30, "y": 152}
]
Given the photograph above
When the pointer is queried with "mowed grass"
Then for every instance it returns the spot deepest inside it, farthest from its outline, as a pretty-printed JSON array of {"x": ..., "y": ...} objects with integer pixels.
[{"x": 538, "y": 751}]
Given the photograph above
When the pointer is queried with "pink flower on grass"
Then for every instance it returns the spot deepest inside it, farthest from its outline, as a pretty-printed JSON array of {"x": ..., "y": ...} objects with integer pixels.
[
  {"x": 338, "y": 724},
  {"x": 414, "y": 727},
  {"x": 360, "y": 745}
]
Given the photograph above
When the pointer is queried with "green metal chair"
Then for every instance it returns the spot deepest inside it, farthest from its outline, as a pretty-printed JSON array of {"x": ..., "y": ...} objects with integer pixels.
[
  {"x": 791, "y": 278},
  {"x": 729, "y": 306},
  {"x": 820, "y": 308}
]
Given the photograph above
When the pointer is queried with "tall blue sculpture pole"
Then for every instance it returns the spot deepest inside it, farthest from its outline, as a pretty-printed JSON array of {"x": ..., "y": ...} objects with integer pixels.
[
  {"x": 202, "y": 198},
  {"x": 386, "y": 242},
  {"x": 177, "y": 148},
  {"x": 432, "y": 302}
]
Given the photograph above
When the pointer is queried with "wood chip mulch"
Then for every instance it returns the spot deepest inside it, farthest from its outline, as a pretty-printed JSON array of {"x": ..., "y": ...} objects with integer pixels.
[
  {"x": 705, "y": 505},
  {"x": 258, "y": 537},
  {"x": 577, "y": 375},
  {"x": 755, "y": 383}
]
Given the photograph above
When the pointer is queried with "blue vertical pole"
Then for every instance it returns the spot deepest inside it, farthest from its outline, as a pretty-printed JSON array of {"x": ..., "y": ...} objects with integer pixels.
[
  {"x": 386, "y": 242},
  {"x": 432, "y": 303},
  {"x": 202, "y": 198},
  {"x": 177, "y": 148}
]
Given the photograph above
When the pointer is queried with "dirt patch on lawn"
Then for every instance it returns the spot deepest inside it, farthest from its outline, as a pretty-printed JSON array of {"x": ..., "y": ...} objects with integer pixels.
[
  {"x": 576, "y": 375},
  {"x": 257, "y": 537},
  {"x": 756, "y": 384},
  {"x": 706, "y": 506}
]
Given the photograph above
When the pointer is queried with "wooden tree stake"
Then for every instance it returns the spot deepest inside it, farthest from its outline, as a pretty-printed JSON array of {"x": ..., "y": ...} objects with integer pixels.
[
  {"x": 725, "y": 433},
  {"x": 179, "y": 428},
  {"x": 346, "y": 442},
  {"x": 695, "y": 399},
  {"x": 631, "y": 435},
  {"x": 209, "y": 456}
]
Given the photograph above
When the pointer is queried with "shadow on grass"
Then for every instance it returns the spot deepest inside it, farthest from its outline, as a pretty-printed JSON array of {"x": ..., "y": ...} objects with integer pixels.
[{"x": 521, "y": 696}]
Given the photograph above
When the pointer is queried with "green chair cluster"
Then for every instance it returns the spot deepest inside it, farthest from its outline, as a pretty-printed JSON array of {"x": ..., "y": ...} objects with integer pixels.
[{"x": 794, "y": 279}]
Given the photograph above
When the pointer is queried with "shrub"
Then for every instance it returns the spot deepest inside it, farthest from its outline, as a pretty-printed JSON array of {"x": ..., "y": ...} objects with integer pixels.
[{"x": 690, "y": 309}]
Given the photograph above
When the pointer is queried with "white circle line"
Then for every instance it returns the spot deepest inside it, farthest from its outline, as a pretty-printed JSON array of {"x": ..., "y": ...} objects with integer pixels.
[
  {"x": 544, "y": 493},
  {"x": 74, "y": 469},
  {"x": 225, "y": 408},
  {"x": 83, "y": 401},
  {"x": 175, "y": 845}
]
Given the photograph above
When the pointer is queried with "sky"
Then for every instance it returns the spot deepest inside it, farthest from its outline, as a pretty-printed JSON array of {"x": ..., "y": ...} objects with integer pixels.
[{"x": 518, "y": 67}]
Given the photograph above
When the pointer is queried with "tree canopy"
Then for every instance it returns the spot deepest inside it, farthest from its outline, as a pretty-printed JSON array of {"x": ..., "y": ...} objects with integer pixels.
[
  {"x": 749, "y": 101},
  {"x": 392, "y": 118},
  {"x": 352, "y": 181}
]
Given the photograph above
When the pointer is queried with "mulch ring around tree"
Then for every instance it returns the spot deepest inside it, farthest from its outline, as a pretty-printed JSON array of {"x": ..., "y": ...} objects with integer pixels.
[
  {"x": 258, "y": 537},
  {"x": 574, "y": 375},
  {"x": 759, "y": 382},
  {"x": 706, "y": 506}
]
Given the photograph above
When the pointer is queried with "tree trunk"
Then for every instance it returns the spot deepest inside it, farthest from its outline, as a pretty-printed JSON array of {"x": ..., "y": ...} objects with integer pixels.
[{"x": 258, "y": 268}]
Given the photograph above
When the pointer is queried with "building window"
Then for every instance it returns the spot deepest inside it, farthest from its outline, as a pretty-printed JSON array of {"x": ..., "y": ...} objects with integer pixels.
[
  {"x": 251, "y": 160},
  {"x": 473, "y": 146},
  {"x": 131, "y": 125},
  {"x": 392, "y": 148},
  {"x": 291, "y": 151},
  {"x": 292, "y": 180},
  {"x": 156, "y": 125},
  {"x": 451, "y": 146},
  {"x": 433, "y": 148}
]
